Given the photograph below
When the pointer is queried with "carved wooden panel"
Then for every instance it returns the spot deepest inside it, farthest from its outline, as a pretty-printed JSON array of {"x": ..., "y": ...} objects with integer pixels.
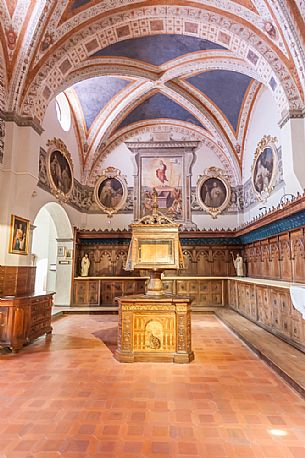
[
  {"x": 102, "y": 292},
  {"x": 86, "y": 292},
  {"x": 232, "y": 294},
  {"x": 17, "y": 280},
  {"x": 204, "y": 261},
  {"x": 274, "y": 267},
  {"x": 298, "y": 261},
  {"x": 204, "y": 264},
  {"x": 285, "y": 257},
  {"x": 271, "y": 308},
  {"x": 265, "y": 256},
  {"x": 203, "y": 292}
]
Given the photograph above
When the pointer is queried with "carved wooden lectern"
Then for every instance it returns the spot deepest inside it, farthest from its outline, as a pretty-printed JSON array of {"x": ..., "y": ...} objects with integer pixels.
[{"x": 154, "y": 326}]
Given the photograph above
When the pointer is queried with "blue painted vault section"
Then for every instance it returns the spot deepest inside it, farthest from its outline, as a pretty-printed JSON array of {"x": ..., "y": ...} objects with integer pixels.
[
  {"x": 157, "y": 49},
  {"x": 159, "y": 106},
  {"x": 95, "y": 93},
  {"x": 226, "y": 89}
]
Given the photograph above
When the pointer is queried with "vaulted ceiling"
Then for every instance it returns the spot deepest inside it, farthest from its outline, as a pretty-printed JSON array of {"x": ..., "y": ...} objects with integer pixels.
[{"x": 126, "y": 65}]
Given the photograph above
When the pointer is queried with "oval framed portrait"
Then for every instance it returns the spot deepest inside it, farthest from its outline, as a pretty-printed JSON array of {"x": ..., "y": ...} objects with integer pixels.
[
  {"x": 213, "y": 192},
  {"x": 60, "y": 169},
  {"x": 111, "y": 191},
  {"x": 264, "y": 167}
]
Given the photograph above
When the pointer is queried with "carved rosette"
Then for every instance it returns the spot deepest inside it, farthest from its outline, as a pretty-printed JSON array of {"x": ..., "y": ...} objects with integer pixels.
[
  {"x": 264, "y": 171},
  {"x": 213, "y": 201},
  {"x": 60, "y": 175}
]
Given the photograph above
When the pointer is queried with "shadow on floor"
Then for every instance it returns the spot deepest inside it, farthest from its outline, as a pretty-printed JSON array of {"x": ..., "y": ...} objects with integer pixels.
[{"x": 108, "y": 337}]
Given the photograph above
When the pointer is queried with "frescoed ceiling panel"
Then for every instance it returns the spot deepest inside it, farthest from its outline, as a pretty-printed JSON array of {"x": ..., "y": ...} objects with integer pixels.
[
  {"x": 95, "y": 93},
  {"x": 226, "y": 89},
  {"x": 159, "y": 106},
  {"x": 157, "y": 49},
  {"x": 78, "y": 3}
]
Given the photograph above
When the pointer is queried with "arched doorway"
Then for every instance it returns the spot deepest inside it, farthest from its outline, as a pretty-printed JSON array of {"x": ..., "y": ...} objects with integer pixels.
[{"x": 52, "y": 247}]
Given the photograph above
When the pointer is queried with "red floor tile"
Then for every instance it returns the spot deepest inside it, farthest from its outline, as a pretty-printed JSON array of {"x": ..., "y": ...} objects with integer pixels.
[{"x": 70, "y": 398}]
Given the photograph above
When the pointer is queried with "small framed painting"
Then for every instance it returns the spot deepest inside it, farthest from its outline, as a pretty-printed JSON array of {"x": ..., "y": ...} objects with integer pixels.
[
  {"x": 61, "y": 251},
  {"x": 111, "y": 191},
  {"x": 60, "y": 169},
  {"x": 264, "y": 167},
  {"x": 213, "y": 191},
  {"x": 19, "y": 235}
]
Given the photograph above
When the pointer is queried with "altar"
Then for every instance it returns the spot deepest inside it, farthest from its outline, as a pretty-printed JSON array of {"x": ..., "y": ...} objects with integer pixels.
[
  {"x": 154, "y": 326},
  {"x": 154, "y": 329}
]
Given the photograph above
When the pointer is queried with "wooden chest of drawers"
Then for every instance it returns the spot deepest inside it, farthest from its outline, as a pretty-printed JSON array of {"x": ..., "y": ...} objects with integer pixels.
[{"x": 23, "y": 319}]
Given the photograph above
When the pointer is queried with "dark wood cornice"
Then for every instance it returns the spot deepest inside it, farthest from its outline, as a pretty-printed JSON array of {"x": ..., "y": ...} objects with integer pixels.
[{"x": 283, "y": 211}]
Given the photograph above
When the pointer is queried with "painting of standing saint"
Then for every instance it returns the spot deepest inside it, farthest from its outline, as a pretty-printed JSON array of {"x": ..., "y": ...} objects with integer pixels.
[
  {"x": 110, "y": 192},
  {"x": 213, "y": 193},
  {"x": 165, "y": 174},
  {"x": 61, "y": 173},
  {"x": 19, "y": 238},
  {"x": 263, "y": 170}
]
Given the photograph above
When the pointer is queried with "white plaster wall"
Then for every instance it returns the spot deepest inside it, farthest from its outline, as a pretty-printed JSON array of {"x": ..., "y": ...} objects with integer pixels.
[
  {"x": 205, "y": 158},
  {"x": 121, "y": 158},
  {"x": 52, "y": 128},
  {"x": 265, "y": 121},
  {"x": 19, "y": 193},
  {"x": 44, "y": 247}
]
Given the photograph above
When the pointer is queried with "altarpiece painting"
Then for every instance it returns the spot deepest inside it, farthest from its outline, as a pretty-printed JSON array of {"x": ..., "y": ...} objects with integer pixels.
[{"x": 165, "y": 167}]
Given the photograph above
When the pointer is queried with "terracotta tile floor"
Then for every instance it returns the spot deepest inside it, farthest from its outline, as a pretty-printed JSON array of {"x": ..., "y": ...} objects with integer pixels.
[{"x": 69, "y": 397}]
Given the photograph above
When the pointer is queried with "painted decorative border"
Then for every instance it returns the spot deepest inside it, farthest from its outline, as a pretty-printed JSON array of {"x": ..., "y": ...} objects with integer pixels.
[
  {"x": 58, "y": 145},
  {"x": 216, "y": 173},
  {"x": 266, "y": 142},
  {"x": 108, "y": 174},
  {"x": 24, "y": 234}
]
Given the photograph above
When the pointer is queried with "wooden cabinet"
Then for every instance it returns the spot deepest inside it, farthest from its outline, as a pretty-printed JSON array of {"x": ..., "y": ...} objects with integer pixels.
[
  {"x": 23, "y": 319},
  {"x": 17, "y": 280}
]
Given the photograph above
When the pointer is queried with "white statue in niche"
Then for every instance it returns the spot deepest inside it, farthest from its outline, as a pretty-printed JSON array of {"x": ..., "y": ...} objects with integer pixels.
[
  {"x": 238, "y": 264},
  {"x": 85, "y": 264}
]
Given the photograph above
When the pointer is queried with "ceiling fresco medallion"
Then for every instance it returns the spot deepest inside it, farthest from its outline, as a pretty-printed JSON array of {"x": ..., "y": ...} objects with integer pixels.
[
  {"x": 213, "y": 191},
  {"x": 111, "y": 191},
  {"x": 264, "y": 168},
  {"x": 59, "y": 169}
]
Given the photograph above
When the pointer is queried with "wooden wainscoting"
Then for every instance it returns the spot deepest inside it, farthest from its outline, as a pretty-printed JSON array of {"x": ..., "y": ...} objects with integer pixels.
[
  {"x": 280, "y": 257},
  {"x": 102, "y": 291},
  {"x": 270, "y": 307}
]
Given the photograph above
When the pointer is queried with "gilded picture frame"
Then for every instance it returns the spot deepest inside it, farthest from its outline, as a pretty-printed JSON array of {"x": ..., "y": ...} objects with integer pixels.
[
  {"x": 111, "y": 191},
  {"x": 213, "y": 191},
  {"x": 19, "y": 235},
  {"x": 264, "y": 167},
  {"x": 59, "y": 170}
]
